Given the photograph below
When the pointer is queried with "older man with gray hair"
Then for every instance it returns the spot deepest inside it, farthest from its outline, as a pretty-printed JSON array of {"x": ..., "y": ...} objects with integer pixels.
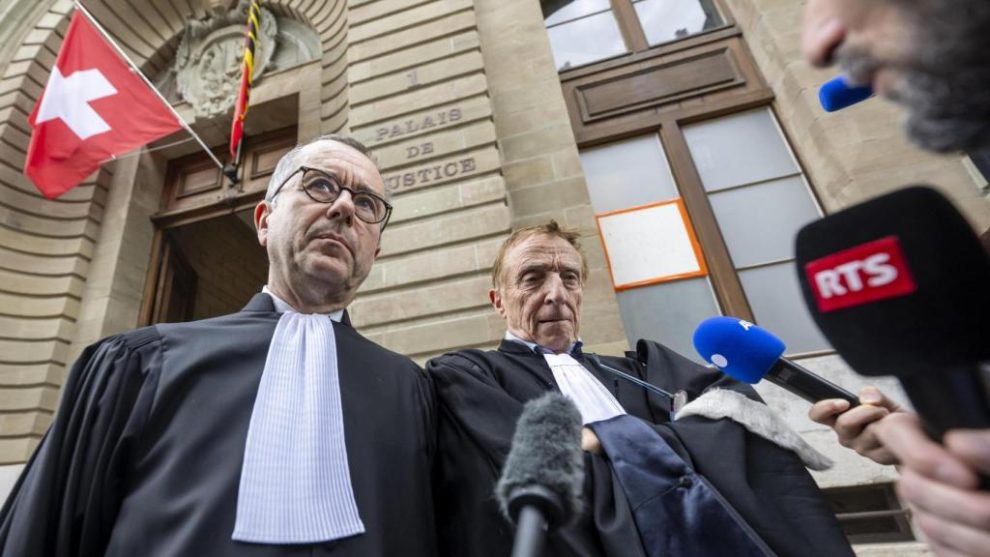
[
  {"x": 719, "y": 475},
  {"x": 276, "y": 430}
]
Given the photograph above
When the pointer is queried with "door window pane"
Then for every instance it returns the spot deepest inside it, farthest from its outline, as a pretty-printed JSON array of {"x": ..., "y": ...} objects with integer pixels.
[
  {"x": 585, "y": 40},
  {"x": 667, "y": 313},
  {"x": 559, "y": 11},
  {"x": 775, "y": 297},
  {"x": 668, "y": 20},
  {"x": 627, "y": 174},
  {"x": 759, "y": 222},
  {"x": 739, "y": 149}
]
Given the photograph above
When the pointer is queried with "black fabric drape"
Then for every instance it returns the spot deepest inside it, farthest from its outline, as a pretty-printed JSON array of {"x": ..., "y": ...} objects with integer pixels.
[
  {"x": 480, "y": 396},
  {"x": 145, "y": 453}
]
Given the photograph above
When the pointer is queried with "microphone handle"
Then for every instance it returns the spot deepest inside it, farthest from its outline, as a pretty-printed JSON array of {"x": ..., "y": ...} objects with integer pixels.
[
  {"x": 531, "y": 532},
  {"x": 806, "y": 384},
  {"x": 951, "y": 399}
]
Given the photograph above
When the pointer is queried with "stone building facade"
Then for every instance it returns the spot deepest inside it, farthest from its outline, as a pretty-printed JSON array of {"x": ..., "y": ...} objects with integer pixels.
[{"x": 484, "y": 115}]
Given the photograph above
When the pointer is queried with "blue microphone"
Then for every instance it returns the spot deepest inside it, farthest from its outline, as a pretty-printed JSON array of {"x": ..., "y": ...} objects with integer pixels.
[
  {"x": 749, "y": 353},
  {"x": 837, "y": 94}
]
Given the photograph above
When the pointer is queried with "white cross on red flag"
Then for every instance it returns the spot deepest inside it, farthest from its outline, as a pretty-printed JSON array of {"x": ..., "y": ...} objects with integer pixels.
[{"x": 94, "y": 107}]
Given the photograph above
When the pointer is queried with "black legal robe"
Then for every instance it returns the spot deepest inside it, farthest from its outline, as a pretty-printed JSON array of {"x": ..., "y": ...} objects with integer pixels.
[
  {"x": 481, "y": 396},
  {"x": 144, "y": 456}
]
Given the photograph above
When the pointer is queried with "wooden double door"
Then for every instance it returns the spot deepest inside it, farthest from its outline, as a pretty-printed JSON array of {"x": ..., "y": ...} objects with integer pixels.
[{"x": 205, "y": 258}]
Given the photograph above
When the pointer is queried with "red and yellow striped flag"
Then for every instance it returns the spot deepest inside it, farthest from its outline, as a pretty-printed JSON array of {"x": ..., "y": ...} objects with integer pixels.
[{"x": 240, "y": 108}]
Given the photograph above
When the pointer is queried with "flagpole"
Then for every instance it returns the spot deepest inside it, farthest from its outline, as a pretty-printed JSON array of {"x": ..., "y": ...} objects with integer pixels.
[{"x": 137, "y": 70}]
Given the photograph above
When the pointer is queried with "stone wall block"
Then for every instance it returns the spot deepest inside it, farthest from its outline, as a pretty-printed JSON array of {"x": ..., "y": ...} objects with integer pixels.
[
  {"x": 419, "y": 267},
  {"x": 442, "y": 199},
  {"x": 536, "y": 199},
  {"x": 23, "y": 375},
  {"x": 473, "y": 223},
  {"x": 366, "y": 12},
  {"x": 418, "y": 303},
  {"x": 29, "y": 398},
  {"x": 529, "y": 172},
  {"x": 449, "y": 334},
  {"x": 413, "y": 56},
  {"x": 406, "y": 19},
  {"x": 451, "y": 24},
  {"x": 423, "y": 97},
  {"x": 16, "y": 449},
  {"x": 23, "y": 423}
]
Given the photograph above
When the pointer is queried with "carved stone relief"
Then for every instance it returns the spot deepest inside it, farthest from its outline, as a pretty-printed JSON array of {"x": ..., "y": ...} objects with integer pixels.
[{"x": 207, "y": 66}]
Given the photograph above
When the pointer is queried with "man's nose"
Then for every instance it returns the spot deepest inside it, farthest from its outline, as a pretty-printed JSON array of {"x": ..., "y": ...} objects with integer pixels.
[
  {"x": 822, "y": 32},
  {"x": 555, "y": 289},
  {"x": 342, "y": 208}
]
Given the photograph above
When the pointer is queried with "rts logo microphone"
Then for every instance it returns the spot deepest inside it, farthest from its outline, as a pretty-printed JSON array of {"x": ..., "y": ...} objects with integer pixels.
[{"x": 866, "y": 273}]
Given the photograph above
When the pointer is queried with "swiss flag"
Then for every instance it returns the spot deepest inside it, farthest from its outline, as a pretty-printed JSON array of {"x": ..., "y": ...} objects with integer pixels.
[{"x": 93, "y": 107}]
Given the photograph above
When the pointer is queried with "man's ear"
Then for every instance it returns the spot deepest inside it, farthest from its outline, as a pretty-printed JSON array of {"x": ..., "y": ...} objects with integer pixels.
[
  {"x": 496, "y": 299},
  {"x": 378, "y": 248},
  {"x": 262, "y": 211}
]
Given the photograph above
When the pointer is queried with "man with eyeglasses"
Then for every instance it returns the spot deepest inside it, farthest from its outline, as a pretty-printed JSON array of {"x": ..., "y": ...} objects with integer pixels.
[{"x": 277, "y": 430}]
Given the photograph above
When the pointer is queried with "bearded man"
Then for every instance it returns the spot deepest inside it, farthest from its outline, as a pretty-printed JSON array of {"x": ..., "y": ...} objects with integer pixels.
[{"x": 931, "y": 58}]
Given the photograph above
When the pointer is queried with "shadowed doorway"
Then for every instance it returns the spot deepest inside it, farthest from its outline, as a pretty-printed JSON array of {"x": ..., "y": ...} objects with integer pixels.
[{"x": 206, "y": 260}]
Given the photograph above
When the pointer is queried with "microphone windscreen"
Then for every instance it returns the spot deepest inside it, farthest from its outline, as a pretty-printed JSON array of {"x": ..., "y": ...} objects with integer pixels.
[
  {"x": 546, "y": 453},
  {"x": 738, "y": 348},
  {"x": 836, "y": 94},
  {"x": 899, "y": 284}
]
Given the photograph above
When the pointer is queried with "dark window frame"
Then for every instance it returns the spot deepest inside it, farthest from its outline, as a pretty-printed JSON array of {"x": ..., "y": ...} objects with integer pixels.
[
  {"x": 667, "y": 119},
  {"x": 635, "y": 37}
]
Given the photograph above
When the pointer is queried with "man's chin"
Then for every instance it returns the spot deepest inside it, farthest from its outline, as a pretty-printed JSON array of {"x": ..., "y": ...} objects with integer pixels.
[
  {"x": 558, "y": 340},
  {"x": 332, "y": 271}
]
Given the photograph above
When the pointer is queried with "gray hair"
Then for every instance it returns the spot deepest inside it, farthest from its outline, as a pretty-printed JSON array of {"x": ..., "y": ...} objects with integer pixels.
[{"x": 287, "y": 164}]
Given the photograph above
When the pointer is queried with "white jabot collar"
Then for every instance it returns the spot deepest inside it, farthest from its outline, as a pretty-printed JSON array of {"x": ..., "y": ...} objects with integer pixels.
[
  {"x": 592, "y": 399},
  {"x": 295, "y": 484}
]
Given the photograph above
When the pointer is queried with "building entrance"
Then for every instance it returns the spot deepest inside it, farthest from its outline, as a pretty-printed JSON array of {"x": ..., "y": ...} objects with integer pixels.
[{"x": 206, "y": 260}]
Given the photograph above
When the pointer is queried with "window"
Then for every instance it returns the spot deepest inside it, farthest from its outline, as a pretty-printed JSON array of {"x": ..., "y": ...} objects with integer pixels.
[
  {"x": 752, "y": 194},
  {"x": 669, "y": 20},
  {"x": 760, "y": 200},
  {"x": 586, "y": 31},
  {"x": 582, "y": 31},
  {"x": 634, "y": 173},
  {"x": 870, "y": 513}
]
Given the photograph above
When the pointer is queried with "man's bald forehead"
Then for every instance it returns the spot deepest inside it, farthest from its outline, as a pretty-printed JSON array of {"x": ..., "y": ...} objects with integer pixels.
[{"x": 290, "y": 161}]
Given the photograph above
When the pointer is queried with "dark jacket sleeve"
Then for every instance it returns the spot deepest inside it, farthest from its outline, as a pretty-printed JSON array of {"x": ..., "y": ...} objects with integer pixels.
[
  {"x": 477, "y": 418},
  {"x": 66, "y": 499}
]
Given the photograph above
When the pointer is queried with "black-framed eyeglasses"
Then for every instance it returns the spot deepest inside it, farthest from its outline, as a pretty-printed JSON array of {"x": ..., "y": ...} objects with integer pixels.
[{"x": 323, "y": 187}]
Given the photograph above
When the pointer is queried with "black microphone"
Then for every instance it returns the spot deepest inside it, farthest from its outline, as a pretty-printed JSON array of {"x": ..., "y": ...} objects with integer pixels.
[
  {"x": 541, "y": 484},
  {"x": 900, "y": 285}
]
